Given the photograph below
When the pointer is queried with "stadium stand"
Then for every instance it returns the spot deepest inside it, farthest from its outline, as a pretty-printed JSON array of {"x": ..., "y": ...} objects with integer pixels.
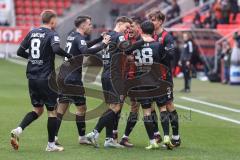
[{"x": 27, "y": 11}]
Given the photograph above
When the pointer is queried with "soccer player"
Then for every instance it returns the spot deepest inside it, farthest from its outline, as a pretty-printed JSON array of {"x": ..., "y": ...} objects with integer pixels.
[
  {"x": 170, "y": 114},
  {"x": 42, "y": 45},
  {"x": 77, "y": 46},
  {"x": 114, "y": 99},
  {"x": 146, "y": 56},
  {"x": 133, "y": 35}
]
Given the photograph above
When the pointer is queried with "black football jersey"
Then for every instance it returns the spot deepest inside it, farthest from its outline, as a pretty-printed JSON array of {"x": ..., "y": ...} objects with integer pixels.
[
  {"x": 150, "y": 53},
  {"x": 76, "y": 46},
  {"x": 110, "y": 51},
  {"x": 41, "y": 58}
]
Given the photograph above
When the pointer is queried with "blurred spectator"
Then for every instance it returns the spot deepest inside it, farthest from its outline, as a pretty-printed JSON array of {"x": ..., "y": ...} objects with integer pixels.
[
  {"x": 234, "y": 8},
  {"x": 174, "y": 11},
  {"x": 197, "y": 21},
  {"x": 217, "y": 8},
  {"x": 226, "y": 56},
  {"x": 226, "y": 12},
  {"x": 185, "y": 61},
  {"x": 199, "y": 2},
  {"x": 210, "y": 21}
]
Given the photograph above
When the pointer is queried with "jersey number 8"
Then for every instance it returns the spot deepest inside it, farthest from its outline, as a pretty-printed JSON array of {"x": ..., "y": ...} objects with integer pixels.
[
  {"x": 35, "y": 45},
  {"x": 143, "y": 57}
]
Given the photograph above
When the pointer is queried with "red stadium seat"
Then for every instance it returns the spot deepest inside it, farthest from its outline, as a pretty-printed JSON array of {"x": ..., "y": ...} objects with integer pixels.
[
  {"x": 60, "y": 4},
  {"x": 43, "y": 4},
  {"x": 28, "y": 23},
  {"x": 37, "y": 11},
  {"x": 60, "y": 11},
  {"x": 20, "y": 23},
  {"x": 19, "y": 3},
  {"x": 29, "y": 18},
  {"x": 67, "y": 4},
  {"x": 35, "y": 4},
  {"x": 28, "y": 11},
  {"x": 20, "y": 18},
  {"x": 52, "y": 5},
  {"x": 27, "y": 3},
  {"x": 20, "y": 11}
]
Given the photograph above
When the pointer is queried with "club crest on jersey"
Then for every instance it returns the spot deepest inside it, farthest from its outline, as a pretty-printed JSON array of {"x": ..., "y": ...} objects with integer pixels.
[
  {"x": 121, "y": 38},
  {"x": 56, "y": 38},
  {"x": 83, "y": 42}
]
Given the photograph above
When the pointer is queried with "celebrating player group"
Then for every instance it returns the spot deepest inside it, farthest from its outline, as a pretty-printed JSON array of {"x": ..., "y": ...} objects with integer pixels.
[{"x": 136, "y": 57}]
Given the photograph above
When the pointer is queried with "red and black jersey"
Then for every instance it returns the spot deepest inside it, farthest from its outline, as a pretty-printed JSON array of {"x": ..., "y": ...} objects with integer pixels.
[
  {"x": 167, "y": 41},
  {"x": 128, "y": 62}
]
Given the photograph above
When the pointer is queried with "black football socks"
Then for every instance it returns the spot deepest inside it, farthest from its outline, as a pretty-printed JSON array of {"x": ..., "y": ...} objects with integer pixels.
[
  {"x": 149, "y": 126},
  {"x": 165, "y": 122},
  {"x": 59, "y": 122},
  {"x": 131, "y": 122},
  {"x": 155, "y": 121},
  {"x": 106, "y": 120},
  {"x": 28, "y": 119},
  {"x": 174, "y": 120},
  {"x": 52, "y": 127},
  {"x": 81, "y": 125}
]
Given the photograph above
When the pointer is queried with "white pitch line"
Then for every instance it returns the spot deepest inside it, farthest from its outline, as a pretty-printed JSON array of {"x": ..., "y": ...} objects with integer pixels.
[
  {"x": 211, "y": 104},
  {"x": 208, "y": 114}
]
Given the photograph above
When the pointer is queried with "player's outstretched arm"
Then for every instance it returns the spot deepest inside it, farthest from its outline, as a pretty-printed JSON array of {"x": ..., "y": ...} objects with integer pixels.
[
  {"x": 59, "y": 51},
  {"x": 129, "y": 48},
  {"x": 93, "y": 42},
  {"x": 85, "y": 50}
]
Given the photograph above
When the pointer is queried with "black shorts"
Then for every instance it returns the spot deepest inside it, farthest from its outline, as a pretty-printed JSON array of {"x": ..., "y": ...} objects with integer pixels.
[
  {"x": 41, "y": 94},
  {"x": 77, "y": 100},
  {"x": 165, "y": 99},
  {"x": 73, "y": 96},
  {"x": 146, "y": 103},
  {"x": 110, "y": 94}
]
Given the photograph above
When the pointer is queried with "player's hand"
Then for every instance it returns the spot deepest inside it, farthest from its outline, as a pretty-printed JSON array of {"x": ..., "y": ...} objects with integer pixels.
[
  {"x": 69, "y": 56},
  {"x": 188, "y": 63},
  {"x": 103, "y": 34},
  {"x": 106, "y": 39}
]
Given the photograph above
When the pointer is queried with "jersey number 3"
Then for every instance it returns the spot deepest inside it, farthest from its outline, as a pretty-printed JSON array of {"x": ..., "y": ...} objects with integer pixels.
[
  {"x": 35, "y": 51},
  {"x": 143, "y": 57}
]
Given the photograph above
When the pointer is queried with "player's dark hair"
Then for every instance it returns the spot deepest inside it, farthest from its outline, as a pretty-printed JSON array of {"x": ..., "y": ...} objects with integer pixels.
[
  {"x": 158, "y": 15},
  {"x": 81, "y": 19},
  {"x": 137, "y": 20},
  {"x": 123, "y": 19},
  {"x": 47, "y": 15},
  {"x": 147, "y": 27}
]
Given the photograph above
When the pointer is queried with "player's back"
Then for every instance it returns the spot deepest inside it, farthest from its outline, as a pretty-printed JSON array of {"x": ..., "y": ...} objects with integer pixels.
[
  {"x": 74, "y": 42},
  {"x": 41, "y": 58},
  {"x": 150, "y": 53}
]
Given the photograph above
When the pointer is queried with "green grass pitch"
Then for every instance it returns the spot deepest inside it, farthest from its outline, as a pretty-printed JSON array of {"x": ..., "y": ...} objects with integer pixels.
[{"x": 203, "y": 137}]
